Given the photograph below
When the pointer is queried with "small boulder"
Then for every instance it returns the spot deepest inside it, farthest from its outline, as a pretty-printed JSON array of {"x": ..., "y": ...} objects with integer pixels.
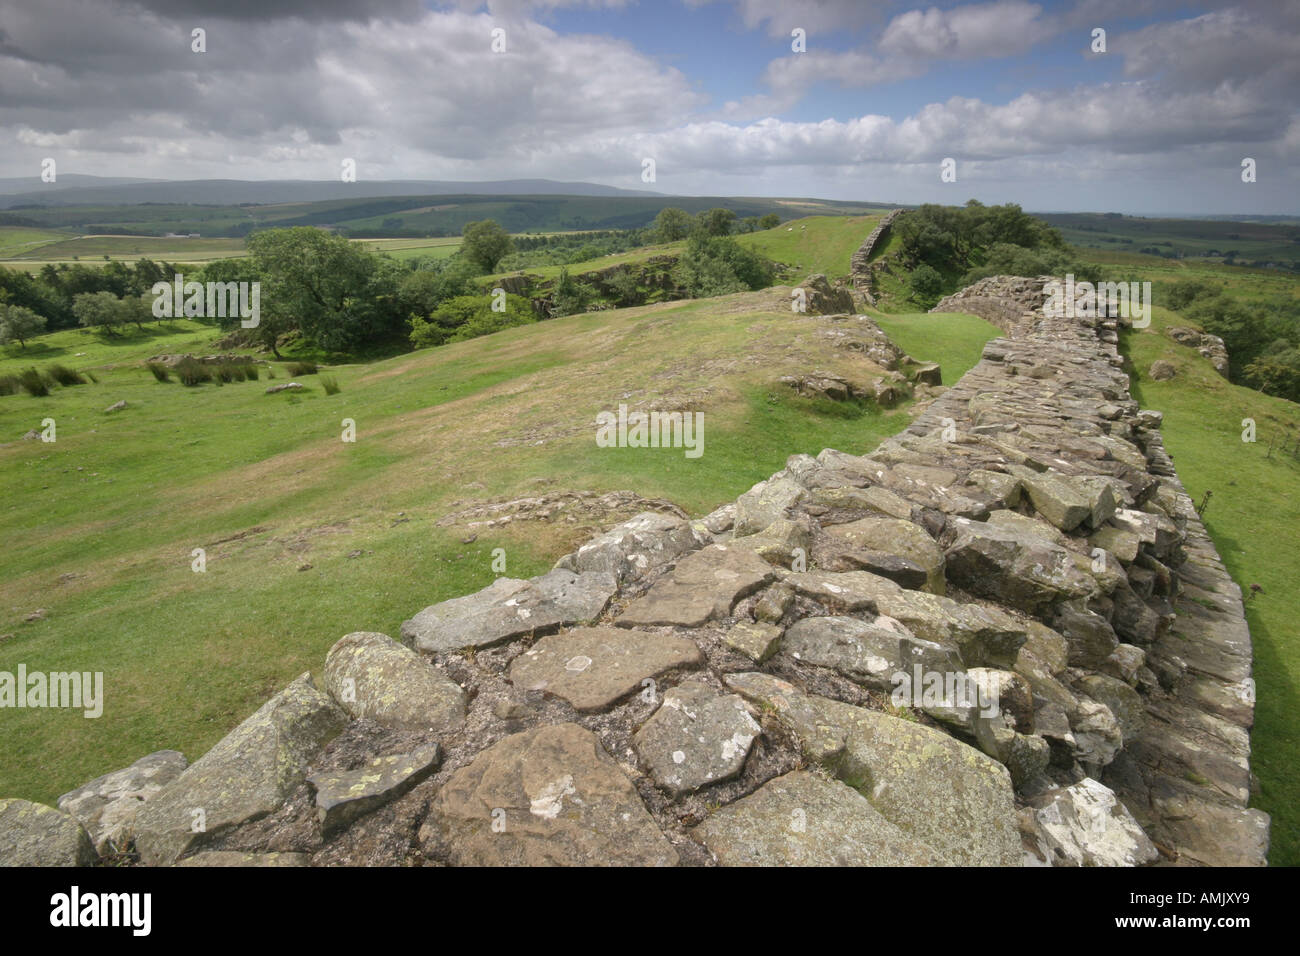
[
  {"x": 371, "y": 675},
  {"x": 32, "y": 834}
]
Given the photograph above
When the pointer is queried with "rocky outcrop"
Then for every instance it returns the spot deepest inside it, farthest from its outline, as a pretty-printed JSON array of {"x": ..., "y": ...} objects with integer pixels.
[
  {"x": 107, "y": 806},
  {"x": 1001, "y": 637},
  {"x": 1210, "y": 347},
  {"x": 822, "y": 298}
]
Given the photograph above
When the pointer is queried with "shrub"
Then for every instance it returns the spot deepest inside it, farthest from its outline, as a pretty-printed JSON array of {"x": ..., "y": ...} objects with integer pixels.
[
  {"x": 33, "y": 383},
  {"x": 719, "y": 265},
  {"x": 225, "y": 372},
  {"x": 250, "y": 372},
  {"x": 192, "y": 372},
  {"x": 301, "y": 368},
  {"x": 925, "y": 282},
  {"x": 330, "y": 384},
  {"x": 9, "y": 385},
  {"x": 159, "y": 371},
  {"x": 64, "y": 375}
]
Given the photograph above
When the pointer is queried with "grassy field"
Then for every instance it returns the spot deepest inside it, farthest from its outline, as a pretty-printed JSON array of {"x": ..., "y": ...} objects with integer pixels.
[
  {"x": 414, "y": 248},
  {"x": 21, "y": 240},
  {"x": 130, "y": 248},
  {"x": 1252, "y": 517},
  {"x": 308, "y": 537},
  {"x": 822, "y": 244},
  {"x": 813, "y": 244}
]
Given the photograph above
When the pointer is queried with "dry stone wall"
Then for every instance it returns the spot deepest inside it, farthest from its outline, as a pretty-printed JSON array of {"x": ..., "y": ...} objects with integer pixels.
[
  {"x": 860, "y": 271},
  {"x": 1002, "y": 637}
]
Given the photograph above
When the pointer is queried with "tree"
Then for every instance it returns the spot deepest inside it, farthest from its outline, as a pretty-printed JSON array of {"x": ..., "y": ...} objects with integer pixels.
[
  {"x": 485, "y": 244},
  {"x": 135, "y": 308},
  {"x": 769, "y": 221},
  {"x": 672, "y": 224},
  {"x": 422, "y": 290},
  {"x": 467, "y": 316},
  {"x": 570, "y": 296},
  {"x": 718, "y": 265},
  {"x": 18, "y": 324},
  {"x": 925, "y": 282},
  {"x": 717, "y": 221},
  {"x": 331, "y": 289},
  {"x": 98, "y": 310}
]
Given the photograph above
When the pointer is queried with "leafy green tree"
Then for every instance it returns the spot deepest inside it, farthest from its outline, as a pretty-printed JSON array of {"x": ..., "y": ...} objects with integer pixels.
[
  {"x": 1276, "y": 373},
  {"x": 18, "y": 324},
  {"x": 135, "y": 309},
  {"x": 570, "y": 296},
  {"x": 467, "y": 316},
  {"x": 421, "y": 291},
  {"x": 672, "y": 224},
  {"x": 716, "y": 221},
  {"x": 769, "y": 221},
  {"x": 99, "y": 310},
  {"x": 925, "y": 282},
  {"x": 334, "y": 291},
  {"x": 719, "y": 265},
  {"x": 485, "y": 244}
]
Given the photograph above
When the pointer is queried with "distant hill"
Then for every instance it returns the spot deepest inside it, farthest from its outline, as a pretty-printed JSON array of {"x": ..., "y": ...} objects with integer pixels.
[
  {"x": 400, "y": 216},
  {"x": 76, "y": 190},
  {"x": 1244, "y": 240}
]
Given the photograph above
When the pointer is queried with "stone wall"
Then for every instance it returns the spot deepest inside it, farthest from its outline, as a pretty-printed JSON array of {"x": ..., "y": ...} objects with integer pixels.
[
  {"x": 725, "y": 691},
  {"x": 1003, "y": 301},
  {"x": 860, "y": 271}
]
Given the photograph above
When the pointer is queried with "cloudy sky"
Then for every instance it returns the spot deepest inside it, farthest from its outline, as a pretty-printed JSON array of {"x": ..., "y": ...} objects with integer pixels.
[{"x": 711, "y": 90}]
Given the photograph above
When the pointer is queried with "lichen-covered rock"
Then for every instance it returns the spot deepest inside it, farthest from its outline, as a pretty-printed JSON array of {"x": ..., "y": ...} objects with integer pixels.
[
  {"x": 766, "y": 502},
  {"x": 1122, "y": 700},
  {"x": 695, "y": 738},
  {"x": 32, "y": 834},
  {"x": 984, "y": 636},
  {"x": 704, "y": 586},
  {"x": 345, "y": 795},
  {"x": 870, "y": 654},
  {"x": 1067, "y": 501},
  {"x": 247, "y": 775},
  {"x": 1084, "y": 825},
  {"x": 371, "y": 675},
  {"x": 944, "y": 794},
  {"x": 593, "y": 667},
  {"x": 550, "y": 796},
  {"x": 107, "y": 806},
  {"x": 780, "y": 542},
  {"x": 1019, "y": 569},
  {"x": 1161, "y": 370},
  {"x": 802, "y": 819},
  {"x": 637, "y": 547},
  {"x": 1089, "y": 636},
  {"x": 510, "y": 607},
  {"x": 896, "y": 537},
  {"x": 757, "y": 640}
]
